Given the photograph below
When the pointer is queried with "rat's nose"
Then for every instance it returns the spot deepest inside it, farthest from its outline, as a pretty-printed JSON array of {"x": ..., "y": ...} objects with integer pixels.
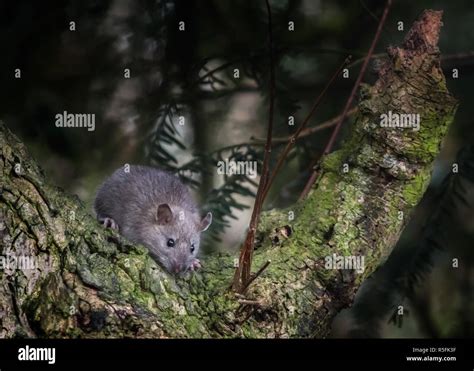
[{"x": 177, "y": 268}]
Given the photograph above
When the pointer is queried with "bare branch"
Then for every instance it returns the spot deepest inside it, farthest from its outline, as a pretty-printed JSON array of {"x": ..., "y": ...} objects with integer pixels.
[
  {"x": 243, "y": 272},
  {"x": 295, "y": 136},
  {"x": 337, "y": 128}
]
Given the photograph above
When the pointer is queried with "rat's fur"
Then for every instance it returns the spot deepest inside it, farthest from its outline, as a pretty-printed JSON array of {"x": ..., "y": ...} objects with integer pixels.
[{"x": 151, "y": 206}]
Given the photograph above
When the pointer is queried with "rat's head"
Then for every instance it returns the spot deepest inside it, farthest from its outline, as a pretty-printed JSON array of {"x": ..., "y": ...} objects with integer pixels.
[{"x": 175, "y": 237}]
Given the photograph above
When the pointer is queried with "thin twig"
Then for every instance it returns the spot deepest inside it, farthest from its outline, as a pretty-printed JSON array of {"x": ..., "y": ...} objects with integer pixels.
[
  {"x": 306, "y": 132},
  {"x": 337, "y": 128},
  {"x": 242, "y": 274},
  {"x": 298, "y": 131},
  {"x": 277, "y": 52},
  {"x": 457, "y": 56},
  {"x": 445, "y": 59},
  {"x": 377, "y": 19},
  {"x": 260, "y": 142},
  {"x": 256, "y": 275},
  {"x": 257, "y": 303}
]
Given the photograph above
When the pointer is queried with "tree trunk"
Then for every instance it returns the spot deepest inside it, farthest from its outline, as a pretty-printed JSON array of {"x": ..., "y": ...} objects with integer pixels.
[{"x": 63, "y": 275}]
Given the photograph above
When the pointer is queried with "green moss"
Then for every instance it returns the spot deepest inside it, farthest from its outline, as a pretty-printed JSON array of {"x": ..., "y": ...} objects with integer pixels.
[{"x": 414, "y": 189}]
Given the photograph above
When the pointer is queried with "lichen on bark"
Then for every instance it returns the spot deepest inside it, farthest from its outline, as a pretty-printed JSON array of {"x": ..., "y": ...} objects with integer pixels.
[{"x": 90, "y": 282}]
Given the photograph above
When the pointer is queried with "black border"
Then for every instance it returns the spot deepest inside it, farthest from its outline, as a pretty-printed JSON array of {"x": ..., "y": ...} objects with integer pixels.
[{"x": 141, "y": 352}]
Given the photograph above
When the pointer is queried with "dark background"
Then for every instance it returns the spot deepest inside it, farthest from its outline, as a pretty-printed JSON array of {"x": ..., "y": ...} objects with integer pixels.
[{"x": 82, "y": 71}]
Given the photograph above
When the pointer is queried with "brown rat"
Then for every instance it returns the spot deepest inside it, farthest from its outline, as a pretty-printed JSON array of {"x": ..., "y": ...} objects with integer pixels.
[{"x": 154, "y": 208}]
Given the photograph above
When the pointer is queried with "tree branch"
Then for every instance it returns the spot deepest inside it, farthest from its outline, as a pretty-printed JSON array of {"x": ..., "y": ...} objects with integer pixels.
[{"x": 242, "y": 274}]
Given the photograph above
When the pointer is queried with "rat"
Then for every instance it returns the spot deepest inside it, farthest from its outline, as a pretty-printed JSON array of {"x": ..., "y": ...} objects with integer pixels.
[{"x": 153, "y": 207}]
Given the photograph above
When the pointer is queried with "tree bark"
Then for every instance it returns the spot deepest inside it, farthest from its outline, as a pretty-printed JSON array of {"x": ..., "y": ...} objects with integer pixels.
[{"x": 88, "y": 282}]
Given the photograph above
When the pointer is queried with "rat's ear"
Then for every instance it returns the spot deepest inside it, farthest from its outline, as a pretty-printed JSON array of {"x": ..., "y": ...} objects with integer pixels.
[
  {"x": 206, "y": 222},
  {"x": 164, "y": 215}
]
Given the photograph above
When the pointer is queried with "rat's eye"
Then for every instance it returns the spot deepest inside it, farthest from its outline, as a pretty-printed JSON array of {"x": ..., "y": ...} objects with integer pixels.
[
  {"x": 170, "y": 242},
  {"x": 193, "y": 248}
]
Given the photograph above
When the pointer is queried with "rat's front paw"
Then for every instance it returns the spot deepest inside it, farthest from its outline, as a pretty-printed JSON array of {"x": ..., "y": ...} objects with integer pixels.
[
  {"x": 109, "y": 223},
  {"x": 195, "y": 265}
]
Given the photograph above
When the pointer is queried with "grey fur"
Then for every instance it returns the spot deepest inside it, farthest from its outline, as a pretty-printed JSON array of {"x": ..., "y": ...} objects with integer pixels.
[{"x": 131, "y": 199}]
